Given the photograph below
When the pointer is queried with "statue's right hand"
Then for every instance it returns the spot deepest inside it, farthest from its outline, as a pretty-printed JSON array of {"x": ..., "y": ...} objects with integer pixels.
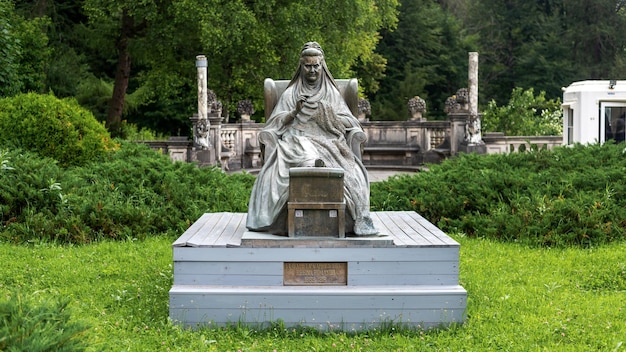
[{"x": 301, "y": 100}]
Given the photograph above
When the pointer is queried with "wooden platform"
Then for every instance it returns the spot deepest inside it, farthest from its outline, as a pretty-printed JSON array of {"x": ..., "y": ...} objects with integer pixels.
[
  {"x": 408, "y": 275},
  {"x": 403, "y": 228}
]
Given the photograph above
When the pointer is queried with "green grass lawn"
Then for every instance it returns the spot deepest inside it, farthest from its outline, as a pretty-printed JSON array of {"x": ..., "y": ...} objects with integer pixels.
[{"x": 518, "y": 299}]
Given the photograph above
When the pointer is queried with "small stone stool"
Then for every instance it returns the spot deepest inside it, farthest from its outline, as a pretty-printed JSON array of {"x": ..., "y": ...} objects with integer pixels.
[{"x": 316, "y": 206}]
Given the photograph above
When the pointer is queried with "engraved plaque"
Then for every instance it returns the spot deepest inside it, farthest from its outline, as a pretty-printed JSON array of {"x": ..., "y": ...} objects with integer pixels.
[{"x": 315, "y": 274}]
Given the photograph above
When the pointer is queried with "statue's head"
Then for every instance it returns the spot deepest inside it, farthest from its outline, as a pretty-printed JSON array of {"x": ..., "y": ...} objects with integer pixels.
[{"x": 312, "y": 61}]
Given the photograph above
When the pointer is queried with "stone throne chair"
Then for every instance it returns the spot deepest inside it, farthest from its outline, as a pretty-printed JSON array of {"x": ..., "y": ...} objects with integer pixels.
[{"x": 273, "y": 89}]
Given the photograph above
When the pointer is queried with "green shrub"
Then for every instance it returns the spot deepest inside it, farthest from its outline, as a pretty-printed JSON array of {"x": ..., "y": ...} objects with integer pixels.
[
  {"x": 133, "y": 193},
  {"x": 568, "y": 196},
  {"x": 27, "y": 324},
  {"x": 524, "y": 115},
  {"x": 55, "y": 128}
]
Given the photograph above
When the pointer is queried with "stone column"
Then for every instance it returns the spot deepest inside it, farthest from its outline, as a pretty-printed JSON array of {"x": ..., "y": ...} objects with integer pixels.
[
  {"x": 473, "y": 125},
  {"x": 201, "y": 131},
  {"x": 458, "y": 121},
  {"x": 203, "y": 151}
]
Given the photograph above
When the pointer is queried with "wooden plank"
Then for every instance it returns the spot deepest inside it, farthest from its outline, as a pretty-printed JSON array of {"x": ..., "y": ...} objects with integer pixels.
[
  {"x": 425, "y": 236},
  {"x": 323, "y": 297},
  {"x": 229, "y": 268},
  {"x": 402, "y": 254},
  {"x": 403, "y": 268},
  {"x": 228, "y": 280},
  {"x": 278, "y": 280},
  {"x": 400, "y": 238},
  {"x": 267, "y": 240},
  {"x": 424, "y": 227},
  {"x": 359, "y": 273},
  {"x": 345, "y": 320},
  {"x": 408, "y": 279},
  {"x": 192, "y": 230},
  {"x": 206, "y": 228},
  {"x": 354, "y": 267},
  {"x": 407, "y": 228},
  {"x": 211, "y": 231},
  {"x": 234, "y": 229},
  {"x": 434, "y": 230}
]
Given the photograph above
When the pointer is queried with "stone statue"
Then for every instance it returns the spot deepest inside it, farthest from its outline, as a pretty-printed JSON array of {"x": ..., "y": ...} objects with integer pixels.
[{"x": 311, "y": 120}]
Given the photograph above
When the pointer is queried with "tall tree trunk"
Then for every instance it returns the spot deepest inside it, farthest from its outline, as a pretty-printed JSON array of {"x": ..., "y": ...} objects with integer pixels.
[{"x": 122, "y": 75}]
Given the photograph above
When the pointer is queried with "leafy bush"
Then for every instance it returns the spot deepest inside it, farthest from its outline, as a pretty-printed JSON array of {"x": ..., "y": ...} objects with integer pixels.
[
  {"x": 133, "y": 193},
  {"x": 525, "y": 115},
  {"x": 568, "y": 196},
  {"x": 27, "y": 324},
  {"x": 55, "y": 128}
]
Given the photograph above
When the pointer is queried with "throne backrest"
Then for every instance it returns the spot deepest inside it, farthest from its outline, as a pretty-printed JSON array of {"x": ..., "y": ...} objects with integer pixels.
[
  {"x": 349, "y": 89},
  {"x": 273, "y": 89}
]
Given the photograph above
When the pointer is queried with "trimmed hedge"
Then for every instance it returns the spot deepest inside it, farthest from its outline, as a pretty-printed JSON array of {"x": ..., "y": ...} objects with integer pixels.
[
  {"x": 133, "y": 193},
  {"x": 567, "y": 196},
  {"x": 56, "y": 128}
]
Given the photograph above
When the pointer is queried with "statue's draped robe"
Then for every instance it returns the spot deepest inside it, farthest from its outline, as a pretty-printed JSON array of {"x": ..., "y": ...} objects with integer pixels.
[{"x": 313, "y": 134}]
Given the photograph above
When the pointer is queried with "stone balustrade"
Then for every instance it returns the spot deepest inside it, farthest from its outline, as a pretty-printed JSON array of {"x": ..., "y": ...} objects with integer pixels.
[
  {"x": 389, "y": 144},
  {"x": 499, "y": 143}
]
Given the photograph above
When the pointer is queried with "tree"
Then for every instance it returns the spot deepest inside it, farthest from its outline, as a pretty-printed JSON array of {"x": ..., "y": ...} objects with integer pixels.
[
  {"x": 119, "y": 22},
  {"x": 24, "y": 52},
  {"x": 245, "y": 42},
  {"x": 524, "y": 115},
  {"x": 9, "y": 46},
  {"x": 595, "y": 37},
  {"x": 426, "y": 56},
  {"x": 544, "y": 44}
]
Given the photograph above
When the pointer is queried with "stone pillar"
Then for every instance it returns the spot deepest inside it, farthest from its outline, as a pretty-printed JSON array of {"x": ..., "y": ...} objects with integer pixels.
[
  {"x": 472, "y": 81},
  {"x": 216, "y": 136},
  {"x": 458, "y": 121},
  {"x": 473, "y": 125},
  {"x": 201, "y": 136},
  {"x": 203, "y": 152}
]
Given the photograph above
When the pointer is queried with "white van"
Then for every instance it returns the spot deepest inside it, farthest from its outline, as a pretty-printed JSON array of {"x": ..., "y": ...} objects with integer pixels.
[{"x": 594, "y": 111}]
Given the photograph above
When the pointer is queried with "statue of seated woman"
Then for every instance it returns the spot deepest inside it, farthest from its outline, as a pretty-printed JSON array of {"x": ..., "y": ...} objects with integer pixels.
[{"x": 310, "y": 120}]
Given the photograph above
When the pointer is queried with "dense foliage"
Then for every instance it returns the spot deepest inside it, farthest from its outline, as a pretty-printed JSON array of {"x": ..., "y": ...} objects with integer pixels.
[
  {"x": 568, "y": 196},
  {"x": 524, "y": 115},
  {"x": 59, "y": 129},
  {"x": 140, "y": 54},
  {"x": 543, "y": 45},
  {"x": 133, "y": 193},
  {"x": 38, "y": 325},
  {"x": 426, "y": 56},
  {"x": 24, "y": 50}
]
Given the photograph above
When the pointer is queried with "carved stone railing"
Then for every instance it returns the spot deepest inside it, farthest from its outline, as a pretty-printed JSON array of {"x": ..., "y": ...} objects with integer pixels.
[
  {"x": 241, "y": 140},
  {"x": 389, "y": 144},
  {"x": 499, "y": 143},
  {"x": 401, "y": 143},
  {"x": 177, "y": 148}
]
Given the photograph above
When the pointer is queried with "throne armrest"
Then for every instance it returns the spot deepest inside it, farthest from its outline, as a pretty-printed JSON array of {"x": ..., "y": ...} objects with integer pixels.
[
  {"x": 268, "y": 142},
  {"x": 355, "y": 139}
]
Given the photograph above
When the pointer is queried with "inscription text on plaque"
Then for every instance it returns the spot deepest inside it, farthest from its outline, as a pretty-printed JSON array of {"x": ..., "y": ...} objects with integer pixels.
[{"x": 315, "y": 274}]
